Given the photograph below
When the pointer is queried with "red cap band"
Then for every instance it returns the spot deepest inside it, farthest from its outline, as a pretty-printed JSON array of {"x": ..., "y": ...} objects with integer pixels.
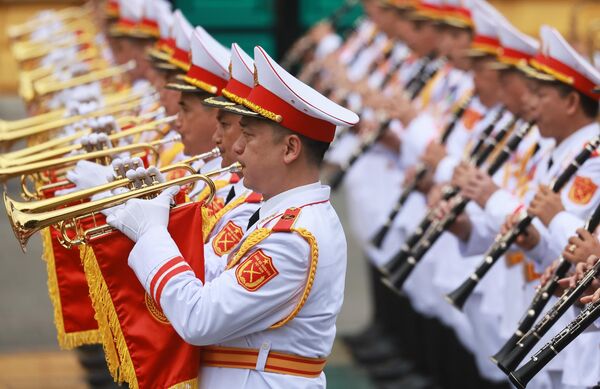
[
  {"x": 291, "y": 117},
  {"x": 203, "y": 75},
  {"x": 565, "y": 74}
]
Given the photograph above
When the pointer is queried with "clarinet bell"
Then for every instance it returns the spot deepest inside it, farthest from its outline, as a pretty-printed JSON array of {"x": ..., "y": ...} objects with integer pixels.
[
  {"x": 460, "y": 295},
  {"x": 396, "y": 280},
  {"x": 501, "y": 355},
  {"x": 522, "y": 376}
]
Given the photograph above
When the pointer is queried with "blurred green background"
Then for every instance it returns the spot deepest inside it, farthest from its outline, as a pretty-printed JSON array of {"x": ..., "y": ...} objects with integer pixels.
[{"x": 273, "y": 24}]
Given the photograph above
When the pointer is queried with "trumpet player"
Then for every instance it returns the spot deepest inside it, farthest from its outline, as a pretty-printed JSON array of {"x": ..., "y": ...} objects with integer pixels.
[{"x": 286, "y": 277}]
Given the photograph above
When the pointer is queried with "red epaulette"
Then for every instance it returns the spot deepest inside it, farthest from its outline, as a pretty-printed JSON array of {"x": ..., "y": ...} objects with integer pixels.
[
  {"x": 254, "y": 198},
  {"x": 234, "y": 179},
  {"x": 287, "y": 220}
]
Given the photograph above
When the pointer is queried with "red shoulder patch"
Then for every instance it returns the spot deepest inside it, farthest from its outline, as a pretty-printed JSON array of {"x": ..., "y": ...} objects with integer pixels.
[
  {"x": 255, "y": 271},
  {"x": 287, "y": 220},
  {"x": 582, "y": 190},
  {"x": 227, "y": 238}
]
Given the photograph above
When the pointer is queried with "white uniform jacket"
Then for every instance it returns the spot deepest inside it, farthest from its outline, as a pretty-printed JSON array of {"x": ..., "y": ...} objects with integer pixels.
[{"x": 238, "y": 308}]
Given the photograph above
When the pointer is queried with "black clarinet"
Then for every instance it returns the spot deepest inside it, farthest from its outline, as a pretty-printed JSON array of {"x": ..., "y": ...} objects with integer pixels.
[
  {"x": 295, "y": 55},
  {"x": 416, "y": 85},
  {"x": 541, "y": 298},
  {"x": 420, "y": 172},
  {"x": 397, "y": 279},
  {"x": 503, "y": 242},
  {"x": 447, "y": 193},
  {"x": 586, "y": 318},
  {"x": 533, "y": 336}
]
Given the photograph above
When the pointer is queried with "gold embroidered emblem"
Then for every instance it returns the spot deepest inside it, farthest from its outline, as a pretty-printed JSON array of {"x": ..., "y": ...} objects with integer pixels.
[
  {"x": 155, "y": 311},
  {"x": 255, "y": 271},
  {"x": 227, "y": 238},
  {"x": 582, "y": 190}
]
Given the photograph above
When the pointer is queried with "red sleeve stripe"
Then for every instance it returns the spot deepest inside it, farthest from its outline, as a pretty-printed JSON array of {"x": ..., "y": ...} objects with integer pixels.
[
  {"x": 163, "y": 269},
  {"x": 172, "y": 273}
]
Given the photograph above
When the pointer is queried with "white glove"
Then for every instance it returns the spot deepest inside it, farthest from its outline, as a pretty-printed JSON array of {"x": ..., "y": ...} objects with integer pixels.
[
  {"x": 140, "y": 217},
  {"x": 87, "y": 175}
]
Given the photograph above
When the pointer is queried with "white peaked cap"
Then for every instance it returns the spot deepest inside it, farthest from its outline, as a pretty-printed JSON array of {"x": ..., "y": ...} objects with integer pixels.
[
  {"x": 241, "y": 80},
  {"x": 486, "y": 19},
  {"x": 560, "y": 61},
  {"x": 279, "y": 96},
  {"x": 242, "y": 66},
  {"x": 513, "y": 39},
  {"x": 165, "y": 24},
  {"x": 459, "y": 13},
  {"x": 182, "y": 31},
  {"x": 131, "y": 10},
  {"x": 209, "y": 68},
  {"x": 209, "y": 54}
]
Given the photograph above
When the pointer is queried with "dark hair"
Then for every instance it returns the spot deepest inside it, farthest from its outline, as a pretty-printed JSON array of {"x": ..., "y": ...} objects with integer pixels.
[
  {"x": 588, "y": 105},
  {"x": 315, "y": 150}
]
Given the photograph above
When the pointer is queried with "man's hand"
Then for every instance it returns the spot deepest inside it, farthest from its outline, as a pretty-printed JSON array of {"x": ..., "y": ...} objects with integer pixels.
[
  {"x": 461, "y": 227},
  {"x": 462, "y": 173},
  {"x": 581, "y": 247},
  {"x": 479, "y": 187},
  {"x": 580, "y": 271},
  {"x": 545, "y": 205},
  {"x": 528, "y": 239},
  {"x": 138, "y": 217},
  {"x": 433, "y": 154}
]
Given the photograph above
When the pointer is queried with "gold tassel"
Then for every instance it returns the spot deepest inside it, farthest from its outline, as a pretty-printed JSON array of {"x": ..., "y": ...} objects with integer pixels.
[
  {"x": 66, "y": 341},
  {"x": 117, "y": 355}
]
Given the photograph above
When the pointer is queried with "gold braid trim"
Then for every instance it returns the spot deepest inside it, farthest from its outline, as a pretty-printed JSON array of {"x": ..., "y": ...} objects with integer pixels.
[
  {"x": 201, "y": 84},
  {"x": 233, "y": 97},
  {"x": 212, "y": 222},
  {"x": 261, "y": 234},
  {"x": 66, "y": 341},
  {"x": 118, "y": 358},
  {"x": 263, "y": 112}
]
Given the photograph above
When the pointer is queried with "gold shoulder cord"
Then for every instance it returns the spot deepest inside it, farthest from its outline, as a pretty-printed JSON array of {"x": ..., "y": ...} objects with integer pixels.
[{"x": 261, "y": 234}]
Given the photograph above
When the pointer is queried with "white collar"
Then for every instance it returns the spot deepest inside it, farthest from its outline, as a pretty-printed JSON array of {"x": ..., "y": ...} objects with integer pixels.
[{"x": 295, "y": 197}]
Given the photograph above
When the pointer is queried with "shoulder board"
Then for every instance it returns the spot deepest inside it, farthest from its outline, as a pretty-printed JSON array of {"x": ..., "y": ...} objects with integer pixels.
[
  {"x": 254, "y": 198},
  {"x": 234, "y": 179},
  {"x": 287, "y": 220}
]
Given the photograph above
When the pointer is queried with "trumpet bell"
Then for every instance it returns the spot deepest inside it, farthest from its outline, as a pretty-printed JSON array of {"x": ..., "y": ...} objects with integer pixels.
[{"x": 19, "y": 223}]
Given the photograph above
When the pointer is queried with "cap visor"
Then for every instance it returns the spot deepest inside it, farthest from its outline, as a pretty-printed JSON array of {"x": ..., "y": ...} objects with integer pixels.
[
  {"x": 184, "y": 87},
  {"x": 497, "y": 65},
  {"x": 535, "y": 74},
  {"x": 241, "y": 110},
  {"x": 166, "y": 66},
  {"x": 218, "y": 102}
]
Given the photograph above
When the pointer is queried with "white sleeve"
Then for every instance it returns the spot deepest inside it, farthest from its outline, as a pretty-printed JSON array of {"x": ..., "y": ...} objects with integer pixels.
[
  {"x": 223, "y": 309},
  {"x": 415, "y": 138},
  {"x": 482, "y": 235},
  {"x": 445, "y": 169},
  {"x": 547, "y": 249},
  {"x": 563, "y": 226},
  {"x": 501, "y": 204}
]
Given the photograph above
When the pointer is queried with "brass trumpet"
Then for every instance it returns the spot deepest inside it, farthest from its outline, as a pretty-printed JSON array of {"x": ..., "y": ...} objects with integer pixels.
[
  {"x": 48, "y": 145},
  {"x": 39, "y": 154},
  {"x": 18, "y": 30},
  {"x": 8, "y": 136},
  {"x": 54, "y": 119},
  {"x": 26, "y": 224},
  {"x": 61, "y": 201},
  {"x": 53, "y": 164},
  {"x": 44, "y": 88}
]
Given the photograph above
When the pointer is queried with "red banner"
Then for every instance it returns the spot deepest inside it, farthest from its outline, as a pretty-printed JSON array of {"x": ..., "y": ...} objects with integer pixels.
[
  {"x": 150, "y": 353},
  {"x": 68, "y": 291}
]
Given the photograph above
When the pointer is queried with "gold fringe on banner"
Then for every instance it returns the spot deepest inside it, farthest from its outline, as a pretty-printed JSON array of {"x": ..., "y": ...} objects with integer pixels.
[
  {"x": 118, "y": 359},
  {"x": 66, "y": 341}
]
